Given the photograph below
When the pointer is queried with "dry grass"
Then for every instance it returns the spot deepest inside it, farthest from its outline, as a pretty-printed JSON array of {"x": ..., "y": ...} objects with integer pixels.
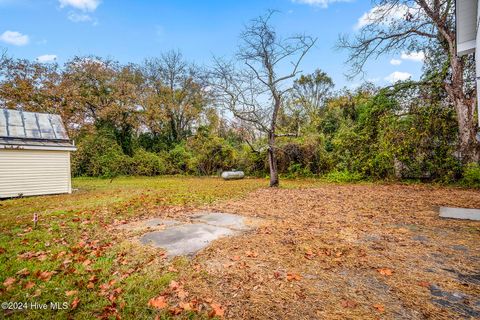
[
  {"x": 343, "y": 242},
  {"x": 326, "y": 251}
]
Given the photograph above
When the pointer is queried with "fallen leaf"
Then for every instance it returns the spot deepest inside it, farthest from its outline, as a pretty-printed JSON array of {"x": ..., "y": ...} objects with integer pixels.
[
  {"x": 309, "y": 254},
  {"x": 379, "y": 307},
  {"x": 70, "y": 293},
  {"x": 182, "y": 294},
  {"x": 293, "y": 276},
  {"x": 29, "y": 285},
  {"x": 9, "y": 281},
  {"x": 45, "y": 275},
  {"x": 174, "y": 285},
  {"x": 175, "y": 311},
  {"x": 251, "y": 254},
  {"x": 424, "y": 284},
  {"x": 75, "y": 303},
  {"x": 90, "y": 285},
  {"x": 385, "y": 271},
  {"x": 217, "y": 310},
  {"x": 185, "y": 306},
  {"x": 158, "y": 302},
  {"x": 349, "y": 304},
  {"x": 2, "y": 250},
  {"x": 24, "y": 272}
]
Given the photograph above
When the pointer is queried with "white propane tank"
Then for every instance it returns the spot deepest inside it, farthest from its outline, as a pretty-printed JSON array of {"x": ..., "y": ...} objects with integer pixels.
[{"x": 233, "y": 175}]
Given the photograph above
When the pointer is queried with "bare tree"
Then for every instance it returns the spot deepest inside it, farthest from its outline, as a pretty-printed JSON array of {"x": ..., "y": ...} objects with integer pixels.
[
  {"x": 420, "y": 25},
  {"x": 310, "y": 94},
  {"x": 253, "y": 88},
  {"x": 178, "y": 91}
]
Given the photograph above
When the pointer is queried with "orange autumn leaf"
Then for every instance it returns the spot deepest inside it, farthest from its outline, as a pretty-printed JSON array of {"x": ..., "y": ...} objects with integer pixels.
[
  {"x": 182, "y": 294},
  {"x": 44, "y": 275},
  {"x": 349, "y": 304},
  {"x": 174, "y": 285},
  {"x": 75, "y": 303},
  {"x": 29, "y": 285},
  {"x": 424, "y": 284},
  {"x": 9, "y": 281},
  {"x": 385, "y": 271},
  {"x": 70, "y": 293},
  {"x": 217, "y": 310},
  {"x": 379, "y": 307},
  {"x": 293, "y": 276},
  {"x": 158, "y": 302},
  {"x": 185, "y": 306}
]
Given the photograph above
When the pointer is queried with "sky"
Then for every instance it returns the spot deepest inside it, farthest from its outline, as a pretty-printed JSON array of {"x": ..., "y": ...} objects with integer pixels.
[{"x": 132, "y": 30}]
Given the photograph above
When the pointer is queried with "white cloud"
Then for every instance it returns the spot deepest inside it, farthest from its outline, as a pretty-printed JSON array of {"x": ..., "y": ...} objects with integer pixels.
[
  {"x": 395, "y": 62},
  {"x": 319, "y": 3},
  {"x": 385, "y": 13},
  {"x": 398, "y": 76},
  {"x": 79, "y": 17},
  {"x": 84, "y": 5},
  {"x": 15, "y": 38},
  {"x": 46, "y": 58},
  {"x": 414, "y": 56}
]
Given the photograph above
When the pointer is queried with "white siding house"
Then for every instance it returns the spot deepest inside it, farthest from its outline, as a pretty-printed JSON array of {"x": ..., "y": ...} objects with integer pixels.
[
  {"x": 34, "y": 154},
  {"x": 467, "y": 22}
]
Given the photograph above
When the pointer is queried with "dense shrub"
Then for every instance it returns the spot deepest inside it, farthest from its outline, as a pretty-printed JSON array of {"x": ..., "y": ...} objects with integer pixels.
[
  {"x": 179, "y": 160},
  {"x": 471, "y": 175},
  {"x": 212, "y": 155},
  {"x": 145, "y": 163},
  {"x": 99, "y": 155}
]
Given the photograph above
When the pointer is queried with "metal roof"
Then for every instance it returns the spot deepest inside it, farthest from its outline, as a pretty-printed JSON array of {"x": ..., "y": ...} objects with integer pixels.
[
  {"x": 27, "y": 144},
  {"x": 31, "y": 125}
]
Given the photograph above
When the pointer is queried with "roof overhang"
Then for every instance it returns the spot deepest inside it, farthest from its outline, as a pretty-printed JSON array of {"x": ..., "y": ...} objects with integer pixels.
[
  {"x": 30, "y": 144},
  {"x": 466, "y": 25}
]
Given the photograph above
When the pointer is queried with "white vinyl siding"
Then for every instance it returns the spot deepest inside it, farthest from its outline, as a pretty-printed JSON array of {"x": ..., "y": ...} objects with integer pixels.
[
  {"x": 466, "y": 25},
  {"x": 34, "y": 172}
]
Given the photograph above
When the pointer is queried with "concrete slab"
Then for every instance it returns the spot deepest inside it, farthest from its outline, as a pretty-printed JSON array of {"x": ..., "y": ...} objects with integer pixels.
[
  {"x": 185, "y": 239},
  {"x": 155, "y": 223},
  {"x": 460, "y": 213},
  {"x": 221, "y": 219}
]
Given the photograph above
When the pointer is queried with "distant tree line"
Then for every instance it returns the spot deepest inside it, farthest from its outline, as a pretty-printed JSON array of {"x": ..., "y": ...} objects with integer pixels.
[{"x": 170, "y": 116}]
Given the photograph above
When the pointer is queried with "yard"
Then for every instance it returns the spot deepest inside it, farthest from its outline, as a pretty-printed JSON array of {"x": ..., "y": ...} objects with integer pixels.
[{"x": 369, "y": 251}]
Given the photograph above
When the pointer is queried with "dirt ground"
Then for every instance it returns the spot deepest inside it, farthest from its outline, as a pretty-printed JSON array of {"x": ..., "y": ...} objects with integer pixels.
[{"x": 337, "y": 252}]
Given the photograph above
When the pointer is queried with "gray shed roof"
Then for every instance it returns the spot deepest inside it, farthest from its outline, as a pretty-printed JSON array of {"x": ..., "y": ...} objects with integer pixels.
[
  {"x": 31, "y": 125},
  {"x": 32, "y": 130}
]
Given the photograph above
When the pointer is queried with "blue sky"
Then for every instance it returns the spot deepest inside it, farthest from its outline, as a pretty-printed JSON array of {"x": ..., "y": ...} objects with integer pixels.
[{"x": 130, "y": 31}]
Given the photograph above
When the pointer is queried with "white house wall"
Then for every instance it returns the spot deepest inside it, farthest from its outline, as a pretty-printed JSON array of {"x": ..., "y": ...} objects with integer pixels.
[{"x": 34, "y": 172}]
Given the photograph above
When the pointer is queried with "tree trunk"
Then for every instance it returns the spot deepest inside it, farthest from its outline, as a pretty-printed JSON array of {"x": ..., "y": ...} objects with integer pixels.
[
  {"x": 272, "y": 161},
  {"x": 469, "y": 147}
]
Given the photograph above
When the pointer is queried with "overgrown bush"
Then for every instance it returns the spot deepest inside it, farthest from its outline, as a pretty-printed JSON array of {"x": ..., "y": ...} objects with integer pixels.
[
  {"x": 179, "y": 160},
  {"x": 212, "y": 154},
  {"x": 99, "y": 155},
  {"x": 471, "y": 175},
  {"x": 145, "y": 163}
]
